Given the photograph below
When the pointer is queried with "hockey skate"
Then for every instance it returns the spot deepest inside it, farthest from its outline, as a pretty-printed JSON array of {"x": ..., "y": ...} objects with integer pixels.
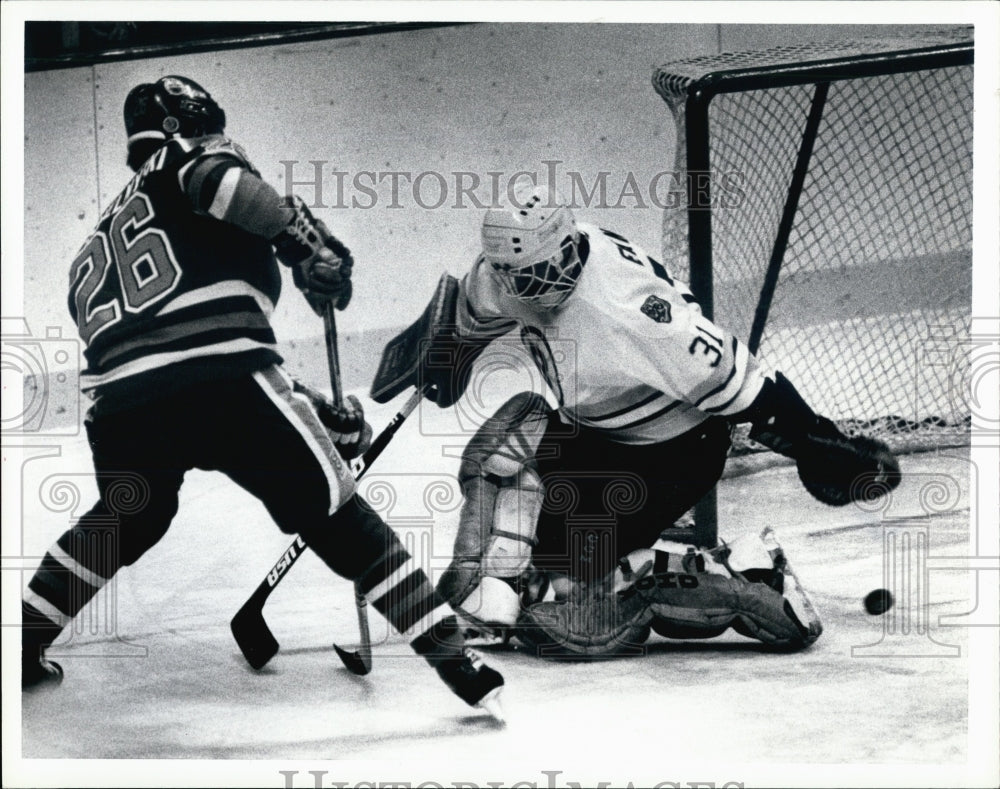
[
  {"x": 39, "y": 673},
  {"x": 474, "y": 682}
]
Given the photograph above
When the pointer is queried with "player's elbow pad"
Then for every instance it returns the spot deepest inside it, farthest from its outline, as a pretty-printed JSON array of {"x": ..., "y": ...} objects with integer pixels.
[{"x": 224, "y": 189}]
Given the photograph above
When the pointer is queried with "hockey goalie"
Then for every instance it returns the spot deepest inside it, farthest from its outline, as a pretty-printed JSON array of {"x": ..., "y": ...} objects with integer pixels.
[{"x": 559, "y": 537}]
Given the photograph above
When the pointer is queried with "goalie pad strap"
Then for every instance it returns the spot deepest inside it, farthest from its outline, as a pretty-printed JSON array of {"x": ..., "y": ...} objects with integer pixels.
[{"x": 510, "y": 535}]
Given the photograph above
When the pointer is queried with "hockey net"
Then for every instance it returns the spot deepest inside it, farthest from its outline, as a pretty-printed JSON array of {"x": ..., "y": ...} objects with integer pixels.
[{"x": 863, "y": 298}]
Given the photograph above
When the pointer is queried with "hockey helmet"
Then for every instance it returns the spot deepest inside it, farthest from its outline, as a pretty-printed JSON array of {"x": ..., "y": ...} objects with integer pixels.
[
  {"x": 532, "y": 245},
  {"x": 173, "y": 106}
]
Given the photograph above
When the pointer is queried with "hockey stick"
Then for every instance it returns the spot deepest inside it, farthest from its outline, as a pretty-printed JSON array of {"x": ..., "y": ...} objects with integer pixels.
[
  {"x": 359, "y": 662},
  {"x": 253, "y": 636},
  {"x": 332, "y": 357}
]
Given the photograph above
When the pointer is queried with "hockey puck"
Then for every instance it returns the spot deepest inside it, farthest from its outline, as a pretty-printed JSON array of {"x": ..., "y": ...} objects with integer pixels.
[{"x": 878, "y": 601}]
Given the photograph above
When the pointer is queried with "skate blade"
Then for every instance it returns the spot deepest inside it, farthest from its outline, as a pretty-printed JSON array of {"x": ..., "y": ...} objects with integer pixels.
[
  {"x": 491, "y": 703},
  {"x": 480, "y": 638}
]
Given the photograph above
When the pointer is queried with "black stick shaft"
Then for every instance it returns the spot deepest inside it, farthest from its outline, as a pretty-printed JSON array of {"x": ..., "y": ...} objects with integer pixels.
[{"x": 332, "y": 355}]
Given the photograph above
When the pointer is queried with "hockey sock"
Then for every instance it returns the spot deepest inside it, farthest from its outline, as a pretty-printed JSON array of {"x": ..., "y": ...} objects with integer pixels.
[
  {"x": 60, "y": 587},
  {"x": 359, "y": 545},
  {"x": 401, "y": 591}
]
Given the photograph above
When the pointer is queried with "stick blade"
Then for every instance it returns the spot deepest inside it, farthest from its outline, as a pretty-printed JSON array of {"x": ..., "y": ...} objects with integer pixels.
[
  {"x": 355, "y": 662},
  {"x": 253, "y": 636}
]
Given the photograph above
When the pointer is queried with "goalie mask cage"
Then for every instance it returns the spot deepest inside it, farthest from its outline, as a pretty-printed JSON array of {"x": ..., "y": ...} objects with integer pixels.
[{"x": 835, "y": 232}]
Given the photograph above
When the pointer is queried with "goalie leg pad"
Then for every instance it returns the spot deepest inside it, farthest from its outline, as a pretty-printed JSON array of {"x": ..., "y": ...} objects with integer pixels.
[
  {"x": 703, "y": 605},
  {"x": 512, "y": 535},
  {"x": 597, "y": 627},
  {"x": 503, "y": 496},
  {"x": 681, "y": 592},
  {"x": 492, "y": 607}
]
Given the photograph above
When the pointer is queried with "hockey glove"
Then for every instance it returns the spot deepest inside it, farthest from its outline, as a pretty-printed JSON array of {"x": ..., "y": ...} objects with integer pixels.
[
  {"x": 321, "y": 264},
  {"x": 351, "y": 434},
  {"x": 448, "y": 367},
  {"x": 850, "y": 468},
  {"x": 834, "y": 468}
]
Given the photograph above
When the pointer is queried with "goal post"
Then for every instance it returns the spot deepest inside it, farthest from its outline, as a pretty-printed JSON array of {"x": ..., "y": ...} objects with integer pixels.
[{"x": 828, "y": 223}]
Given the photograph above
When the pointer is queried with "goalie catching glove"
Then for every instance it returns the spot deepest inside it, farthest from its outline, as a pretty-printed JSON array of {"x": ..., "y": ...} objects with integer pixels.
[
  {"x": 836, "y": 469},
  {"x": 321, "y": 265}
]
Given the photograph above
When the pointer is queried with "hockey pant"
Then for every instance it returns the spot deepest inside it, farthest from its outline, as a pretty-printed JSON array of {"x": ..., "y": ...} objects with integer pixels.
[
  {"x": 605, "y": 499},
  {"x": 268, "y": 440}
]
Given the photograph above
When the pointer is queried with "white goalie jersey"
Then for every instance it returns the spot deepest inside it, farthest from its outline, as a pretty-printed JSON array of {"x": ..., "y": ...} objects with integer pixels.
[{"x": 629, "y": 353}]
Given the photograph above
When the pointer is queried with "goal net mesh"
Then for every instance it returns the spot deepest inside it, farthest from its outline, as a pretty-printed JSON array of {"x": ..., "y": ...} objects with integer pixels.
[{"x": 871, "y": 312}]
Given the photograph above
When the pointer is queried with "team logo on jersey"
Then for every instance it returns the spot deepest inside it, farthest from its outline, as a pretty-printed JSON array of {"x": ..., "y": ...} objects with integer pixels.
[{"x": 657, "y": 309}]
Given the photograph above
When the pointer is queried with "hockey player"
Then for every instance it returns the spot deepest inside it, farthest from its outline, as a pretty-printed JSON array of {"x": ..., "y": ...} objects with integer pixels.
[
  {"x": 172, "y": 295},
  {"x": 647, "y": 390}
]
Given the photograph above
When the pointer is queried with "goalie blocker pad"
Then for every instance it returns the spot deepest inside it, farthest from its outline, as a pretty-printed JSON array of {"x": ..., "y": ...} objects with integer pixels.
[{"x": 405, "y": 356}]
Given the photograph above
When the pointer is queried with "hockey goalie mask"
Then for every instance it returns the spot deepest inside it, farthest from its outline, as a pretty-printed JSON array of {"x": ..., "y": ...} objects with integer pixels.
[
  {"x": 173, "y": 106},
  {"x": 532, "y": 247}
]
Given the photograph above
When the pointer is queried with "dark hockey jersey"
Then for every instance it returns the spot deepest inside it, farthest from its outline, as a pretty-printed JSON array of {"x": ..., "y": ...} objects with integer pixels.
[{"x": 163, "y": 293}]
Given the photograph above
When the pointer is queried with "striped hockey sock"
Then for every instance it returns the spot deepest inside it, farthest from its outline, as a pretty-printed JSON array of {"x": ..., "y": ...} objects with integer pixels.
[
  {"x": 61, "y": 586},
  {"x": 401, "y": 591}
]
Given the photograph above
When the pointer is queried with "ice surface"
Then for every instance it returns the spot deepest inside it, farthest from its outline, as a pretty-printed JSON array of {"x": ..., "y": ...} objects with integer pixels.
[{"x": 161, "y": 678}]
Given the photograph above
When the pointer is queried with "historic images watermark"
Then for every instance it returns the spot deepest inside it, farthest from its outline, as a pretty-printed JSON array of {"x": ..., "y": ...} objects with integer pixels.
[
  {"x": 963, "y": 364},
  {"x": 317, "y": 779},
  {"x": 465, "y": 189},
  {"x": 44, "y": 368}
]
